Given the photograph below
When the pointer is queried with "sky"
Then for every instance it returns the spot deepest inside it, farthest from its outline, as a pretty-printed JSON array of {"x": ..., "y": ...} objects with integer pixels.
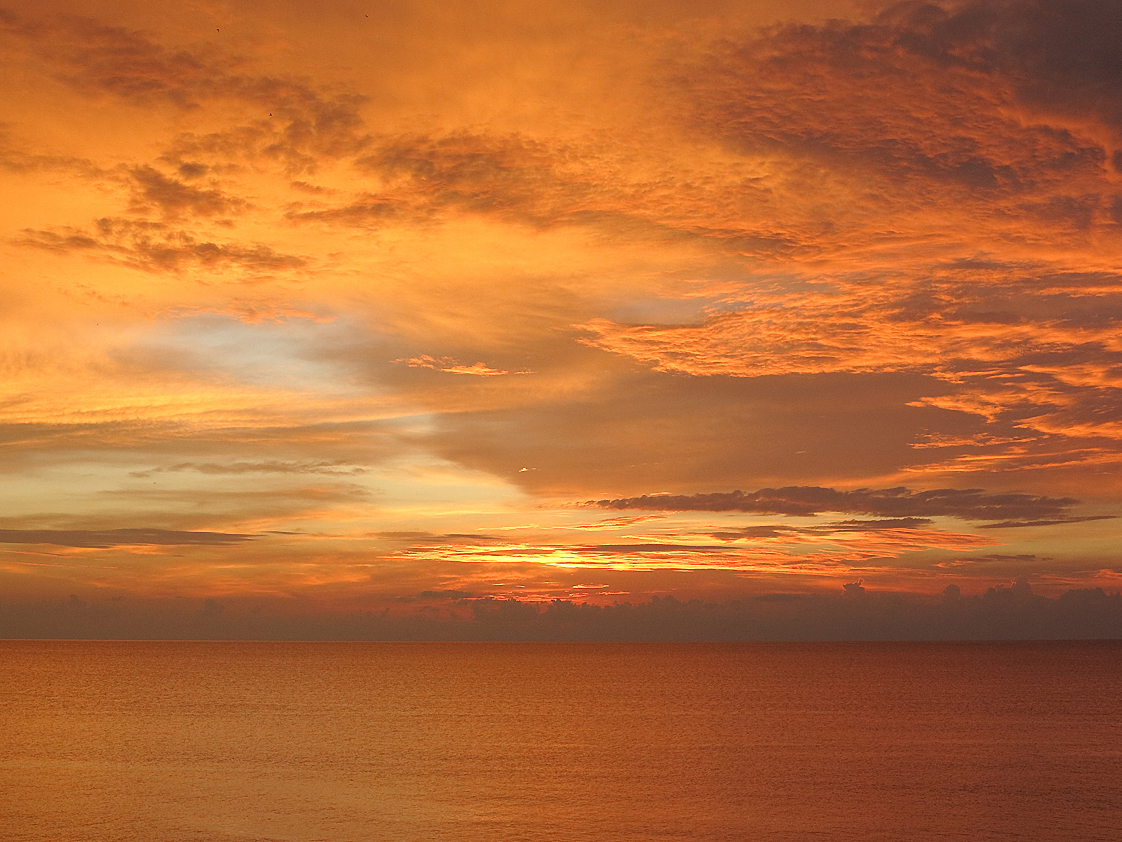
[{"x": 323, "y": 315}]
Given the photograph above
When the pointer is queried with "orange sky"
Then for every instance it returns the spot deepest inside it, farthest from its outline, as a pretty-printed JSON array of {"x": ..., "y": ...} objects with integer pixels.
[{"x": 354, "y": 306}]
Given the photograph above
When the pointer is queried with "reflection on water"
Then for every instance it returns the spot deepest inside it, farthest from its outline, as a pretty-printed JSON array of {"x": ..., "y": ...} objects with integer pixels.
[{"x": 334, "y": 742}]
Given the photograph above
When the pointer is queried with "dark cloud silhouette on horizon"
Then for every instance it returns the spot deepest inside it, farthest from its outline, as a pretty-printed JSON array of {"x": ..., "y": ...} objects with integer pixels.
[{"x": 855, "y": 613}]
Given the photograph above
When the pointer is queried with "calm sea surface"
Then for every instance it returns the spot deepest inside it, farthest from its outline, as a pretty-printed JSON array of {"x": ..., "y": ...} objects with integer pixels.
[{"x": 343, "y": 742}]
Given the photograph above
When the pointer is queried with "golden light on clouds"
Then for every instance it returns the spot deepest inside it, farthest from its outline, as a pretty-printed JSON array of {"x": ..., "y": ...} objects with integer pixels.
[{"x": 339, "y": 305}]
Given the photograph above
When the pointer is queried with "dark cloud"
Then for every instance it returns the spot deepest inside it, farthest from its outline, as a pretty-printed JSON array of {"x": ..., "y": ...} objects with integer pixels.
[
  {"x": 1003, "y": 612},
  {"x": 291, "y": 120},
  {"x": 1003, "y": 561},
  {"x": 854, "y": 590},
  {"x": 1007, "y": 524},
  {"x": 516, "y": 178},
  {"x": 158, "y": 247},
  {"x": 646, "y": 547},
  {"x": 1061, "y": 55},
  {"x": 859, "y": 526},
  {"x": 173, "y": 198},
  {"x": 549, "y": 183},
  {"x": 967, "y": 504},
  {"x": 191, "y": 169},
  {"x": 124, "y": 63},
  {"x": 365, "y": 210},
  {"x": 754, "y": 532},
  {"x": 439, "y": 595},
  {"x": 356, "y": 443},
  {"x": 459, "y": 539},
  {"x": 513, "y": 177},
  {"x": 927, "y": 95},
  {"x": 857, "y": 613},
  {"x": 18, "y": 159},
  {"x": 877, "y": 525},
  {"x": 271, "y": 466},
  {"x": 642, "y": 429},
  {"x": 103, "y": 538}
]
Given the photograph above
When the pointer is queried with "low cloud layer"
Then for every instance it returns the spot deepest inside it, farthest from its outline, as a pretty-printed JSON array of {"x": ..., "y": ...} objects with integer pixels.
[{"x": 1003, "y": 612}]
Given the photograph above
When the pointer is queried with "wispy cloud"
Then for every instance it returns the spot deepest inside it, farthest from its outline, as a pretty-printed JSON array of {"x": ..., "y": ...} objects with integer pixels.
[
  {"x": 967, "y": 504},
  {"x": 159, "y": 247},
  {"x": 451, "y": 366},
  {"x": 153, "y": 190},
  {"x": 292, "y": 122},
  {"x": 125, "y": 537}
]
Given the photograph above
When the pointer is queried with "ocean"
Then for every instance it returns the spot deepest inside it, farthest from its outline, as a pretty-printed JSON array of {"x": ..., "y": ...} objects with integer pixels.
[{"x": 566, "y": 742}]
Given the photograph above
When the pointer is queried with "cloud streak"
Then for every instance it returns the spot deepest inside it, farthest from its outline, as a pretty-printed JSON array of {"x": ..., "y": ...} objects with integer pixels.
[
  {"x": 125, "y": 537},
  {"x": 158, "y": 247},
  {"x": 965, "y": 504}
]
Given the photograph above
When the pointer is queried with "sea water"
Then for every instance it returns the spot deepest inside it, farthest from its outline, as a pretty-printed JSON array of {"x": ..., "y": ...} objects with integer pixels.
[{"x": 466, "y": 742}]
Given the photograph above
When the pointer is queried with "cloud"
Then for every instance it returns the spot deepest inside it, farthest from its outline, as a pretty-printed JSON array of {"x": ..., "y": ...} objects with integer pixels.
[
  {"x": 836, "y": 527},
  {"x": 441, "y": 539},
  {"x": 158, "y": 247},
  {"x": 449, "y": 365},
  {"x": 629, "y": 192},
  {"x": 271, "y": 466},
  {"x": 98, "y": 58},
  {"x": 967, "y": 146},
  {"x": 17, "y": 158},
  {"x": 919, "y": 93},
  {"x": 173, "y": 198},
  {"x": 632, "y": 429},
  {"x": 520, "y": 178},
  {"x": 293, "y": 122},
  {"x": 516, "y": 178},
  {"x": 1003, "y": 612},
  {"x": 104, "y": 538},
  {"x": 1059, "y": 55},
  {"x": 854, "y": 590},
  {"x": 204, "y": 438},
  {"x": 620, "y": 522},
  {"x": 967, "y": 504},
  {"x": 439, "y": 595},
  {"x": 779, "y": 552},
  {"x": 1007, "y": 524}
]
